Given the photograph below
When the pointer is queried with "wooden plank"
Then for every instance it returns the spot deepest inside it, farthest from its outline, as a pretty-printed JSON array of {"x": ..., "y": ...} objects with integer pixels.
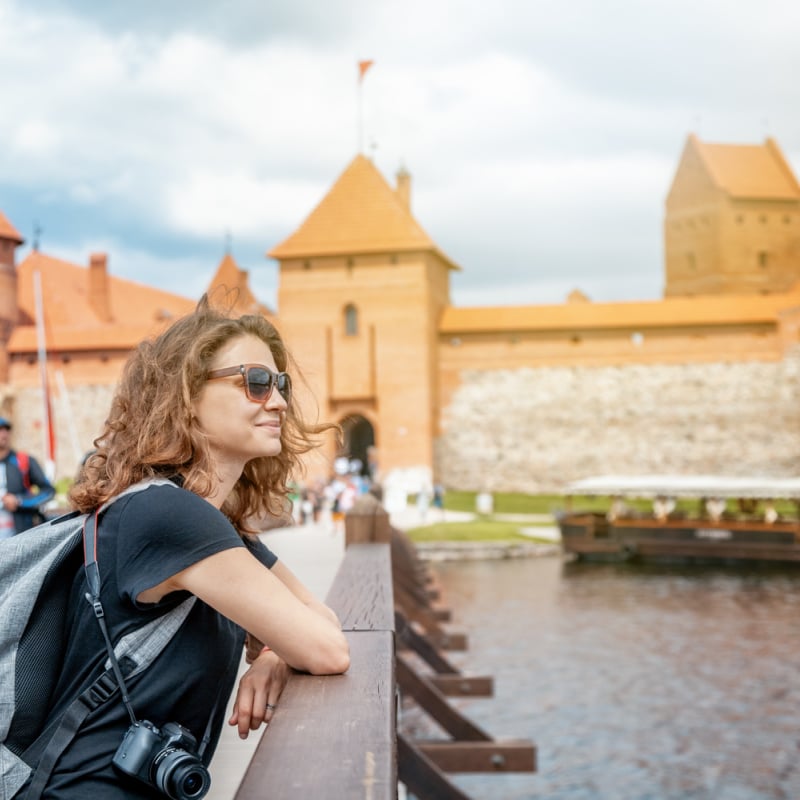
[
  {"x": 434, "y": 703},
  {"x": 422, "y": 646},
  {"x": 422, "y": 615},
  {"x": 332, "y": 737},
  {"x": 463, "y": 685},
  {"x": 517, "y": 755},
  {"x": 361, "y": 593},
  {"x": 421, "y": 776},
  {"x": 367, "y": 522}
]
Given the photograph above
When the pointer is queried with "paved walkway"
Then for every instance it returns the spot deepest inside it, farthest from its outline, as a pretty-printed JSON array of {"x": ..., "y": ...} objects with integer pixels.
[{"x": 313, "y": 553}]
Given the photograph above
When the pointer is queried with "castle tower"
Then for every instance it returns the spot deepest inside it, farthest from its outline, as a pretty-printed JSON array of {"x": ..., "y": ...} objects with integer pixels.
[
  {"x": 732, "y": 223},
  {"x": 10, "y": 240},
  {"x": 362, "y": 288}
]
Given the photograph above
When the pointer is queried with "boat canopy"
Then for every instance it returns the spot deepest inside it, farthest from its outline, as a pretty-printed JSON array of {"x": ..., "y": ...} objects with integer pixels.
[{"x": 700, "y": 486}]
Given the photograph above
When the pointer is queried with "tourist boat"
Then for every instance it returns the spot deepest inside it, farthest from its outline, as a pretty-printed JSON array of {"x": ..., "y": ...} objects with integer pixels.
[{"x": 680, "y": 518}]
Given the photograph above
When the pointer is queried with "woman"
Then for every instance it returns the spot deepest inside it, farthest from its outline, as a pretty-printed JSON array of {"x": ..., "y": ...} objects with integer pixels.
[{"x": 207, "y": 404}]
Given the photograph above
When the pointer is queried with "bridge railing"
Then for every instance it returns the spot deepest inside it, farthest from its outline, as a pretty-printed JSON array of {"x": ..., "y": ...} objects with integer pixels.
[{"x": 336, "y": 736}]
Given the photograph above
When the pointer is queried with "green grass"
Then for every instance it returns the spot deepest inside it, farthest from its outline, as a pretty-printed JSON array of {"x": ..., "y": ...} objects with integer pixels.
[
  {"x": 488, "y": 529},
  {"x": 519, "y": 503},
  {"x": 505, "y": 502},
  {"x": 480, "y": 530}
]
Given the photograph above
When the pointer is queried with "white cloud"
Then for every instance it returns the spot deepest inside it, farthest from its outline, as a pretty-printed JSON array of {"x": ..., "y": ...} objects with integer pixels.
[
  {"x": 541, "y": 137},
  {"x": 209, "y": 201}
]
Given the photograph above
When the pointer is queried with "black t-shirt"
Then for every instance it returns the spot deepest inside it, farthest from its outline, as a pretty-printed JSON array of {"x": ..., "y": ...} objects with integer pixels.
[{"x": 145, "y": 538}]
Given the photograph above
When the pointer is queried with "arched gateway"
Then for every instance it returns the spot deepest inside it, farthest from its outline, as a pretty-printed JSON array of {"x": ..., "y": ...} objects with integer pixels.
[{"x": 358, "y": 441}]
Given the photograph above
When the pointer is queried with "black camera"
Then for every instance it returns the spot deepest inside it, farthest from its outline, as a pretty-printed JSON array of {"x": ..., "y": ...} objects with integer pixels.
[{"x": 166, "y": 759}]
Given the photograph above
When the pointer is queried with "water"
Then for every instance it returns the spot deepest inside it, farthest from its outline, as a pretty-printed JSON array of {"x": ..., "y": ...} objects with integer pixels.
[{"x": 635, "y": 683}]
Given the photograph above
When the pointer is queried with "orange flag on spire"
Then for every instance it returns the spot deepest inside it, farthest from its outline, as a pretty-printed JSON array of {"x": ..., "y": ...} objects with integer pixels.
[{"x": 363, "y": 66}]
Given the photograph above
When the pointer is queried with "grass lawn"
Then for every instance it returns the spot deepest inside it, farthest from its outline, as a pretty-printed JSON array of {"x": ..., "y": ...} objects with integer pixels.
[
  {"x": 479, "y": 530},
  {"x": 518, "y": 503}
]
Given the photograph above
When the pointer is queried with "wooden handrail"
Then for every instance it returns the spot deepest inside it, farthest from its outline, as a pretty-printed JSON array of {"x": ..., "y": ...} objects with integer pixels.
[{"x": 336, "y": 736}]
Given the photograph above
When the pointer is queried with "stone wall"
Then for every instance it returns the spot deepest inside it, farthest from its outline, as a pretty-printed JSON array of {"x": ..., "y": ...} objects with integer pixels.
[
  {"x": 535, "y": 429},
  {"x": 78, "y": 419}
]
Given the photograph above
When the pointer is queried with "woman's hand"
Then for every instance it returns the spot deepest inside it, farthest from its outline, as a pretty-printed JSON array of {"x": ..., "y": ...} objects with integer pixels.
[{"x": 259, "y": 690}]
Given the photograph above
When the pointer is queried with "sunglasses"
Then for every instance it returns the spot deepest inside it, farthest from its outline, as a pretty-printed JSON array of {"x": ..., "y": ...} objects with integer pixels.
[{"x": 259, "y": 381}]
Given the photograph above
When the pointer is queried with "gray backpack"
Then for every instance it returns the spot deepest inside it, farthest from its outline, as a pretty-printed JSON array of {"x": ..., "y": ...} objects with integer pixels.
[{"x": 37, "y": 569}]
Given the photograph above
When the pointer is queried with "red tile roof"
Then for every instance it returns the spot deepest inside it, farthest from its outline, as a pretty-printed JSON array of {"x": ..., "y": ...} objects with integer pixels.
[
  {"x": 749, "y": 171},
  {"x": 8, "y": 231},
  {"x": 230, "y": 288},
  {"x": 669, "y": 312},
  {"x": 360, "y": 214},
  {"x": 137, "y": 311}
]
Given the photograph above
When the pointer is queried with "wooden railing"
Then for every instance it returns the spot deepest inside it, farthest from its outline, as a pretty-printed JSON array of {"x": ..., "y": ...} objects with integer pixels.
[{"x": 336, "y": 737}]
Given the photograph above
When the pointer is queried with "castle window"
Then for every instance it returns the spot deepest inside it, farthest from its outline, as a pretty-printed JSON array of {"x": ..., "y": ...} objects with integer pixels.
[
  {"x": 350, "y": 320},
  {"x": 763, "y": 259}
]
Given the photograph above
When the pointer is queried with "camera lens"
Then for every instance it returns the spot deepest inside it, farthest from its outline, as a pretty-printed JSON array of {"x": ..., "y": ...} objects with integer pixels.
[
  {"x": 192, "y": 784},
  {"x": 181, "y": 775}
]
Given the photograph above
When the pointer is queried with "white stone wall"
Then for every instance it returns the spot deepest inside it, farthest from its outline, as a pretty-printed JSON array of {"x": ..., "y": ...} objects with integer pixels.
[
  {"x": 78, "y": 419},
  {"x": 536, "y": 429}
]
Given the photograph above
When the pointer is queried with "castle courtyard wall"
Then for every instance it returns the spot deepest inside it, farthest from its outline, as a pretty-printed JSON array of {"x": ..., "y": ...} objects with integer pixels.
[{"x": 534, "y": 429}]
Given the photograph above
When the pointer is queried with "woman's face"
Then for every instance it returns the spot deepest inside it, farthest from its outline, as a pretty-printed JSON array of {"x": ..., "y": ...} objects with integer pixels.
[{"x": 238, "y": 428}]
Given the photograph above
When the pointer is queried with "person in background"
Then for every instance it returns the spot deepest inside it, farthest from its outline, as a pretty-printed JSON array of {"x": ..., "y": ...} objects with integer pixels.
[{"x": 20, "y": 474}]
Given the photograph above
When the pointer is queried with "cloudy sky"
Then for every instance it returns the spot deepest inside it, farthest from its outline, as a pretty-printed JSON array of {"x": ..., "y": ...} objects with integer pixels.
[{"x": 542, "y": 136}]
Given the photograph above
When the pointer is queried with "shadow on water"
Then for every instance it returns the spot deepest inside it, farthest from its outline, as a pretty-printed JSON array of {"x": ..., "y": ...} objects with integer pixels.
[{"x": 634, "y": 681}]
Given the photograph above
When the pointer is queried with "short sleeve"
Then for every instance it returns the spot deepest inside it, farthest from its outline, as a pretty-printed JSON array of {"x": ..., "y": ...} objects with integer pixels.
[
  {"x": 163, "y": 530},
  {"x": 261, "y": 551}
]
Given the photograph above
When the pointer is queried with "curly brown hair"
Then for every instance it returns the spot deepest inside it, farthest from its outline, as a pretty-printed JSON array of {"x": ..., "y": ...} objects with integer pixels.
[{"x": 151, "y": 432}]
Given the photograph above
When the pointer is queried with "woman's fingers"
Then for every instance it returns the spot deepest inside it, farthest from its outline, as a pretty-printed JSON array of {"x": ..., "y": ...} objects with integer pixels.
[{"x": 258, "y": 693}]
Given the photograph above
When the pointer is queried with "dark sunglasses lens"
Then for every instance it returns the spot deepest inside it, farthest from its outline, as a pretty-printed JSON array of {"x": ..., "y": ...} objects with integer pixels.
[
  {"x": 285, "y": 386},
  {"x": 259, "y": 383}
]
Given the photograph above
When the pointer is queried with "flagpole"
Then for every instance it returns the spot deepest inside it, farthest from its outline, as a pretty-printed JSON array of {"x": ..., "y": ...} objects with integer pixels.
[
  {"x": 363, "y": 66},
  {"x": 360, "y": 121},
  {"x": 47, "y": 429}
]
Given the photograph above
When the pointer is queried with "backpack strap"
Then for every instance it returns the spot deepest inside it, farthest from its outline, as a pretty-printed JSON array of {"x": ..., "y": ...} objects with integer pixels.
[
  {"x": 133, "y": 654},
  {"x": 103, "y": 689},
  {"x": 23, "y": 462}
]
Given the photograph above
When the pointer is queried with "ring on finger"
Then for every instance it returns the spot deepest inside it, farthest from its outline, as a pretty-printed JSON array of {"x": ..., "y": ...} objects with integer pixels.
[{"x": 271, "y": 707}]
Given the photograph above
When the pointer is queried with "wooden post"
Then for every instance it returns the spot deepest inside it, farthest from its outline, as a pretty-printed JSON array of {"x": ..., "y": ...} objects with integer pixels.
[{"x": 366, "y": 522}]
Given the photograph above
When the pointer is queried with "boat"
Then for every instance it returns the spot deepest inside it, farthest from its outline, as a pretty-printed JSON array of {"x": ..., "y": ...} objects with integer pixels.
[{"x": 700, "y": 518}]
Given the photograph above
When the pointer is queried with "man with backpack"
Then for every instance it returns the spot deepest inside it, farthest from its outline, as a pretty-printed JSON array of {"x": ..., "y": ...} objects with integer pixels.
[{"x": 19, "y": 473}]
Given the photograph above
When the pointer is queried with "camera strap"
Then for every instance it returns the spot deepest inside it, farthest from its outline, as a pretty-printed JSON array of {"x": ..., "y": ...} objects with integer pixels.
[
  {"x": 172, "y": 619},
  {"x": 93, "y": 597}
]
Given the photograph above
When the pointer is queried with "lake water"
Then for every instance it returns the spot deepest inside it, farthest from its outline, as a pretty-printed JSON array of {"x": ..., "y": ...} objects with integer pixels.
[{"x": 635, "y": 683}]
